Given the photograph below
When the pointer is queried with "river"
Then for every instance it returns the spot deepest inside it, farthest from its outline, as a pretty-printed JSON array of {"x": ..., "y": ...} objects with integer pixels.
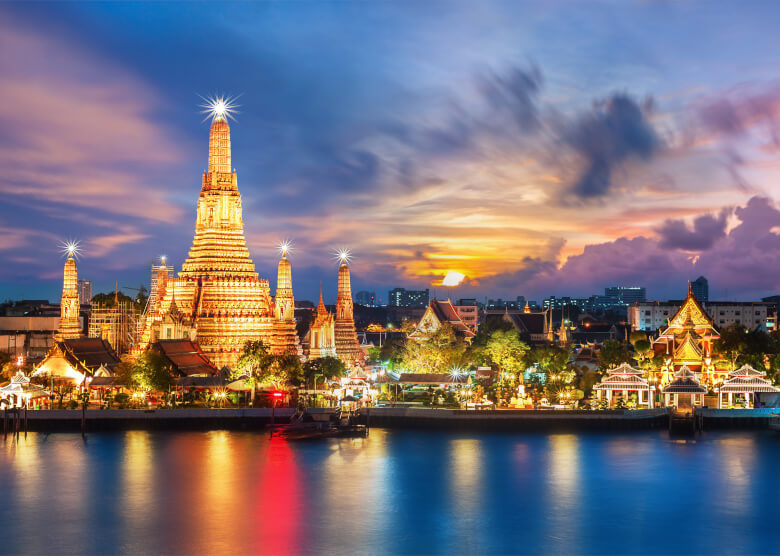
[{"x": 395, "y": 492}]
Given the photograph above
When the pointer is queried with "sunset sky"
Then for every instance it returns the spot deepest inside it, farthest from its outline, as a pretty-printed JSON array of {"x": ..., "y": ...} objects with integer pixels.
[{"x": 536, "y": 148}]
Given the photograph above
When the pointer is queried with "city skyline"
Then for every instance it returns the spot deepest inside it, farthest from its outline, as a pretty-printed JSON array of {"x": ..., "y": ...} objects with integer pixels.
[{"x": 533, "y": 169}]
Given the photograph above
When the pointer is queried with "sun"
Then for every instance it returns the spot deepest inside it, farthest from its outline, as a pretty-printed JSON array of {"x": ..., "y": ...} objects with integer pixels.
[
  {"x": 219, "y": 107},
  {"x": 453, "y": 278}
]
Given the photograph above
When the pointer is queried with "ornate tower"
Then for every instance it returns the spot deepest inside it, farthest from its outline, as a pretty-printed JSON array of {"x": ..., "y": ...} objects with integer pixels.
[
  {"x": 218, "y": 293},
  {"x": 285, "y": 334},
  {"x": 321, "y": 340},
  {"x": 70, "y": 326},
  {"x": 347, "y": 345}
]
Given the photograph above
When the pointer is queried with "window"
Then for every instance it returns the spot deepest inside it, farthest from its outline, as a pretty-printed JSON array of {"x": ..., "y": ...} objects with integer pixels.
[
  {"x": 737, "y": 313},
  {"x": 758, "y": 313},
  {"x": 666, "y": 313},
  {"x": 722, "y": 313},
  {"x": 647, "y": 313}
]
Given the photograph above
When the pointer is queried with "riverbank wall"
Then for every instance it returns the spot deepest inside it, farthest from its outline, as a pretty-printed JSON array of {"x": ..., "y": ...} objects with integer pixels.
[
  {"x": 736, "y": 418},
  {"x": 515, "y": 420},
  {"x": 159, "y": 419},
  {"x": 382, "y": 417}
]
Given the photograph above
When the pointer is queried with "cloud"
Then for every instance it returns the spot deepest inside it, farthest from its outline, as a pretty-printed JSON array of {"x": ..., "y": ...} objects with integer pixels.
[
  {"x": 702, "y": 234},
  {"x": 78, "y": 130},
  {"x": 615, "y": 130}
]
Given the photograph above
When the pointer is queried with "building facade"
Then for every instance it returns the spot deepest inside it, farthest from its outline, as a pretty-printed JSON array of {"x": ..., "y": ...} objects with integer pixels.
[
  {"x": 85, "y": 292},
  {"x": 400, "y": 297},
  {"x": 653, "y": 315}
]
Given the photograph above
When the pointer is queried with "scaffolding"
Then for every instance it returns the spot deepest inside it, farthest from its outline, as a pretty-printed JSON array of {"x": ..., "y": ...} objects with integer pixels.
[{"x": 117, "y": 323}]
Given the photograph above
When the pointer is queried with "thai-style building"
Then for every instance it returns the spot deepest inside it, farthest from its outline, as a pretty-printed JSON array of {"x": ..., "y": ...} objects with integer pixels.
[
  {"x": 438, "y": 313},
  {"x": 688, "y": 342},
  {"x": 346, "y": 340},
  {"x": 625, "y": 381},
  {"x": 744, "y": 383},
  {"x": 219, "y": 297},
  {"x": 320, "y": 340},
  {"x": 20, "y": 391},
  {"x": 684, "y": 392},
  {"x": 76, "y": 359},
  {"x": 185, "y": 358}
]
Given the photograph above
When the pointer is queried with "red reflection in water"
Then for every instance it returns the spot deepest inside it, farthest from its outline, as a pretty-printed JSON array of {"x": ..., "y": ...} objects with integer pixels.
[{"x": 277, "y": 502}]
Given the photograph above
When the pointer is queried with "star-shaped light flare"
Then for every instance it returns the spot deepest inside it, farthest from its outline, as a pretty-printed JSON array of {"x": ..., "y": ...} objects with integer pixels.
[
  {"x": 285, "y": 246},
  {"x": 71, "y": 248},
  {"x": 343, "y": 255},
  {"x": 219, "y": 107}
]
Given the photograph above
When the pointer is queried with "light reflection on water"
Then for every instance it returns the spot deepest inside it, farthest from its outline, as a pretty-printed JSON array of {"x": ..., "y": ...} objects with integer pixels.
[{"x": 395, "y": 492}]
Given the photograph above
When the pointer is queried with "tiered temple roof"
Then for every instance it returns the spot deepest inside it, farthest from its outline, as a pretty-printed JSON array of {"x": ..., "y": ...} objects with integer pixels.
[
  {"x": 746, "y": 379},
  {"x": 218, "y": 291},
  {"x": 623, "y": 377},
  {"x": 684, "y": 382},
  {"x": 347, "y": 344}
]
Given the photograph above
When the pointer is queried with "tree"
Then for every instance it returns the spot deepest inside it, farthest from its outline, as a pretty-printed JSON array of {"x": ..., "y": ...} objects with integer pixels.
[
  {"x": 732, "y": 343},
  {"x": 152, "y": 373},
  {"x": 505, "y": 350},
  {"x": 612, "y": 354},
  {"x": 329, "y": 367},
  {"x": 253, "y": 357},
  {"x": 438, "y": 353}
]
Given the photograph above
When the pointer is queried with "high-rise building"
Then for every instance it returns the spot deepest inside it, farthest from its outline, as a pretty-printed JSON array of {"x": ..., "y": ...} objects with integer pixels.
[
  {"x": 218, "y": 293},
  {"x": 366, "y": 298},
  {"x": 400, "y": 297},
  {"x": 701, "y": 289},
  {"x": 85, "y": 292},
  {"x": 626, "y": 295}
]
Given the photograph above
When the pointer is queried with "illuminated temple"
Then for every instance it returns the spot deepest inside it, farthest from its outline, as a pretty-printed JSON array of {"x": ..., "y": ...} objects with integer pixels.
[
  {"x": 345, "y": 336},
  {"x": 218, "y": 297},
  {"x": 70, "y": 323},
  {"x": 688, "y": 340}
]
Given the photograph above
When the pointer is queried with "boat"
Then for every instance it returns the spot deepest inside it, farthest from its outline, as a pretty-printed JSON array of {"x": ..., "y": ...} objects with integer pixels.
[{"x": 774, "y": 422}]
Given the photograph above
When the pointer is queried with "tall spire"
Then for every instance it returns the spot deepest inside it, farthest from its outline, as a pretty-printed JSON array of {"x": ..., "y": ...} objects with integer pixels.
[
  {"x": 219, "y": 146},
  {"x": 70, "y": 325},
  {"x": 284, "y": 293},
  {"x": 347, "y": 345}
]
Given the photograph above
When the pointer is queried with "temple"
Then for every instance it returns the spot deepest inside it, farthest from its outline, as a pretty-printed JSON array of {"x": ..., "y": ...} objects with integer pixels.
[
  {"x": 70, "y": 324},
  {"x": 320, "y": 340},
  {"x": 218, "y": 297},
  {"x": 688, "y": 340},
  {"x": 347, "y": 344}
]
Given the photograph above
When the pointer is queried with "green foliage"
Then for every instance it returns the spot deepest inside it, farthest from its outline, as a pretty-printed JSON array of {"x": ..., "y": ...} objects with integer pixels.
[
  {"x": 505, "y": 350},
  {"x": 152, "y": 373},
  {"x": 253, "y": 357},
  {"x": 122, "y": 398},
  {"x": 439, "y": 353},
  {"x": 732, "y": 343},
  {"x": 612, "y": 354},
  {"x": 107, "y": 299},
  {"x": 330, "y": 368}
]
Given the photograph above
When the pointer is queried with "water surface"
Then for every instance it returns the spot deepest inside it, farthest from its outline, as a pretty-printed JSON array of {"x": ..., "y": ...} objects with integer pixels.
[{"x": 395, "y": 492}]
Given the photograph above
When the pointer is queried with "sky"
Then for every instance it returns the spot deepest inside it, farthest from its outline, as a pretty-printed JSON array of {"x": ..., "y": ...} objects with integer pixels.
[{"x": 538, "y": 148}]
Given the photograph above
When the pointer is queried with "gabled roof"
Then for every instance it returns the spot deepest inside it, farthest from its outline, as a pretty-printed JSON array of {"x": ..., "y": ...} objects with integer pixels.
[
  {"x": 688, "y": 350},
  {"x": 532, "y": 323},
  {"x": 625, "y": 369},
  {"x": 743, "y": 384},
  {"x": 89, "y": 353},
  {"x": 185, "y": 357},
  {"x": 441, "y": 312},
  {"x": 684, "y": 383},
  {"x": 693, "y": 310},
  {"x": 746, "y": 371}
]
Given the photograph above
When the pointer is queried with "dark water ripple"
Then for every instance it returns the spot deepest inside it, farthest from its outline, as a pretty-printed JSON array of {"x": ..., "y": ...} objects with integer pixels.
[{"x": 395, "y": 492}]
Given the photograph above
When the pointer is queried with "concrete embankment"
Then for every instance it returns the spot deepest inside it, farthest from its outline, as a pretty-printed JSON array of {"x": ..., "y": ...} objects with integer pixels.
[
  {"x": 159, "y": 419},
  {"x": 515, "y": 420},
  {"x": 737, "y": 418}
]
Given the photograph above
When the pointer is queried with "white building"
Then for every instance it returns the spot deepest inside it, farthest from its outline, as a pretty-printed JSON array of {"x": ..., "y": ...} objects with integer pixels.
[{"x": 652, "y": 315}]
